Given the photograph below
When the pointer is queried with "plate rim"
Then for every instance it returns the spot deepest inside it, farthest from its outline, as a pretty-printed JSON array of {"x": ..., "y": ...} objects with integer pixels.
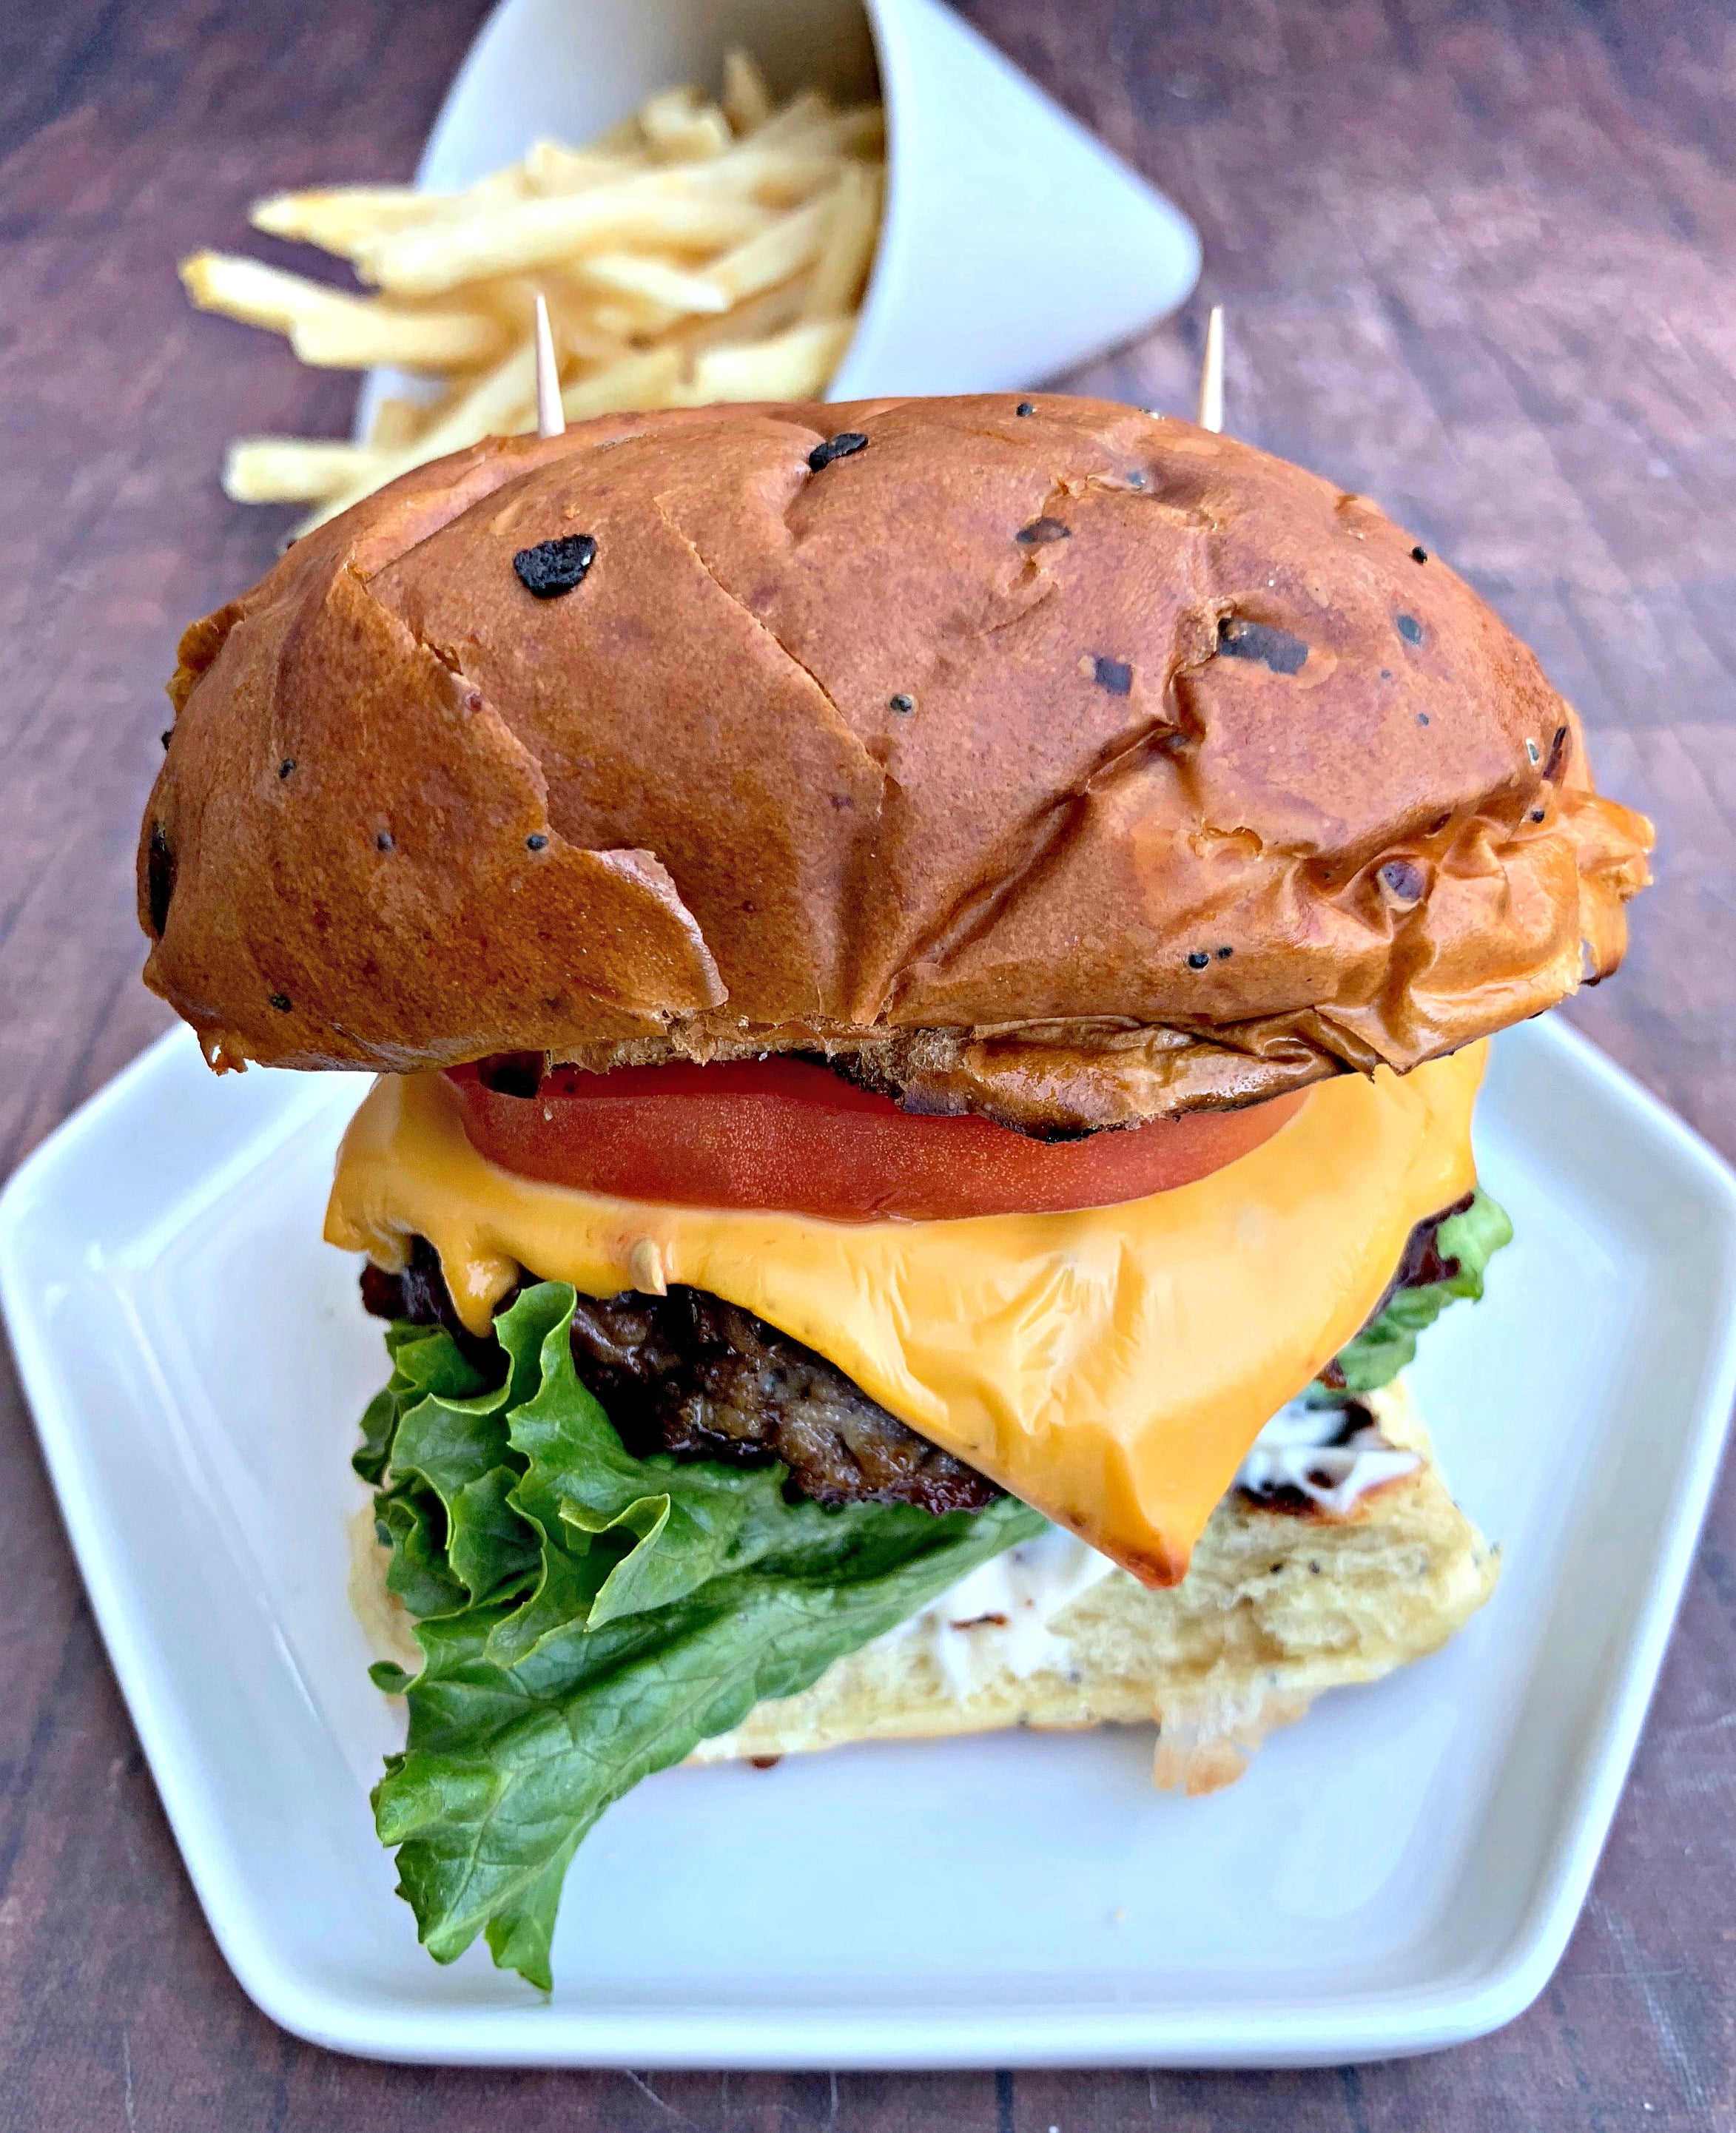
[{"x": 1447, "y": 2009}]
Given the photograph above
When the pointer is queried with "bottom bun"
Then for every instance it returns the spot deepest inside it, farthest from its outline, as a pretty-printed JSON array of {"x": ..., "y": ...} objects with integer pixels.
[{"x": 1278, "y": 1605}]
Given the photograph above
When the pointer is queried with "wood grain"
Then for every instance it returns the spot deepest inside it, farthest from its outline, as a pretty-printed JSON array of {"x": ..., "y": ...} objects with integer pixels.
[{"x": 1480, "y": 261}]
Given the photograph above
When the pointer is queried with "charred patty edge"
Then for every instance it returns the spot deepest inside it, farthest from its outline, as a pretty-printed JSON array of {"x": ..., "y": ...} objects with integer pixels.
[{"x": 695, "y": 1376}]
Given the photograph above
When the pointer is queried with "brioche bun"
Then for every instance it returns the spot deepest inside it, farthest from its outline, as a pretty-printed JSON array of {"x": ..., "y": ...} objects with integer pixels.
[{"x": 1074, "y": 768}]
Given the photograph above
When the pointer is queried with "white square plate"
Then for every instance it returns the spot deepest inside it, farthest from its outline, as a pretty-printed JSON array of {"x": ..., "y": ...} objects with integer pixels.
[{"x": 1399, "y": 1872}]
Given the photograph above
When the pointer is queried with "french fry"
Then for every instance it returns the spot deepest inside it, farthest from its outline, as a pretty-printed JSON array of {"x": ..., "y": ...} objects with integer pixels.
[
  {"x": 747, "y": 102},
  {"x": 623, "y": 138},
  {"x": 695, "y": 251},
  {"x": 706, "y": 135},
  {"x": 775, "y": 177},
  {"x": 650, "y": 380},
  {"x": 331, "y": 330},
  {"x": 357, "y": 339},
  {"x": 342, "y": 218},
  {"x": 257, "y": 295},
  {"x": 651, "y": 210},
  {"x": 499, "y": 404},
  {"x": 802, "y": 112},
  {"x": 847, "y": 250},
  {"x": 631, "y": 322},
  {"x": 572, "y": 314},
  {"x": 774, "y": 255},
  {"x": 551, "y": 170},
  {"x": 496, "y": 405},
  {"x": 337, "y": 217},
  {"x": 860, "y": 131},
  {"x": 499, "y": 189},
  {"x": 667, "y": 109},
  {"x": 794, "y": 365},
  {"x": 758, "y": 318},
  {"x": 680, "y": 127},
  {"x": 294, "y": 469},
  {"x": 632, "y": 274},
  {"x": 398, "y": 422},
  {"x": 510, "y": 298}
]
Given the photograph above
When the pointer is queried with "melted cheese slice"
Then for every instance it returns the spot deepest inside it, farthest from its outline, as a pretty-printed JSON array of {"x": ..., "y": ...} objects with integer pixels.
[{"x": 1111, "y": 1367}]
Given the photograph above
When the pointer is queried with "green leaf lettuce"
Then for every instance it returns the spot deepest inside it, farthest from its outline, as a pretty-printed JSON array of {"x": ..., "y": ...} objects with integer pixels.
[
  {"x": 588, "y": 1617},
  {"x": 1384, "y": 1347}
]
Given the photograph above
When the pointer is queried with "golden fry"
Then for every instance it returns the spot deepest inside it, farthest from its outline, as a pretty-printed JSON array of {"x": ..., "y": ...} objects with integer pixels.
[
  {"x": 340, "y": 216},
  {"x": 623, "y": 138},
  {"x": 370, "y": 334},
  {"x": 551, "y": 170},
  {"x": 680, "y": 127},
  {"x": 774, "y": 255},
  {"x": 294, "y": 469},
  {"x": 860, "y": 131},
  {"x": 499, "y": 403},
  {"x": 774, "y": 176},
  {"x": 572, "y": 315},
  {"x": 747, "y": 102},
  {"x": 800, "y": 113},
  {"x": 650, "y": 380},
  {"x": 259, "y": 296},
  {"x": 331, "y": 330},
  {"x": 847, "y": 251},
  {"x": 758, "y": 318},
  {"x": 632, "y": 319},
  {"x": 495, "y": 406},
  {"x": 343, "y": 219},
  {"x": 492, "y": 405},
  {"x": 651, "y": 209},
  {"x": 398, "y": 422},
  {"x": 796, "y": 365},
  {"x": 632, "y": 274}
]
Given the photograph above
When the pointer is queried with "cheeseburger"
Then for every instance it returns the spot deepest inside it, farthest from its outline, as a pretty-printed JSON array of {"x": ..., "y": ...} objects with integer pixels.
[{"x": 928, "y": 964}]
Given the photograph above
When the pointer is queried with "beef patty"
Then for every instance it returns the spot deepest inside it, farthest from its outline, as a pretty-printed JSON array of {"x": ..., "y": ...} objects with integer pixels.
[{"x": 690, "y": 1374}]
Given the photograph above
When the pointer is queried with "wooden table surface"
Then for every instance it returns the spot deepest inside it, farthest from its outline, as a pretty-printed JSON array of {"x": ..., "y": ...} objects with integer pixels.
[{"x": 1480, "y": 259}]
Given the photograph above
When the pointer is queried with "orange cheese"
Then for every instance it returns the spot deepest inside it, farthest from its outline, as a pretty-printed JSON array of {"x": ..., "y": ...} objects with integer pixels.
[{"x": 1111, "y": 1367}]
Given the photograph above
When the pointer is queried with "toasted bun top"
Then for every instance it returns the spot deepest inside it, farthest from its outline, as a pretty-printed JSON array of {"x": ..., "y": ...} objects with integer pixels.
[{"x": 1074, "y": 767}]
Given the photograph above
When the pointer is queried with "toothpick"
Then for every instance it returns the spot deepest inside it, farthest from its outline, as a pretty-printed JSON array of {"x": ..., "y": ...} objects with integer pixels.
[
  {"x": 550, "y": 421},
  {"x": 1211, "y": 374}
]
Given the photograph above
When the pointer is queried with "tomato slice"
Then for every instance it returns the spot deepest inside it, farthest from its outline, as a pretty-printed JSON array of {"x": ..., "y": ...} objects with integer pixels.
[{"x": 786, "y": 1133}]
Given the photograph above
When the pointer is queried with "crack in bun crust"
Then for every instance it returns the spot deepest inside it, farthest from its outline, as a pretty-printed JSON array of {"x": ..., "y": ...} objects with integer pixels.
[{"x": 1220, "y": 793}]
